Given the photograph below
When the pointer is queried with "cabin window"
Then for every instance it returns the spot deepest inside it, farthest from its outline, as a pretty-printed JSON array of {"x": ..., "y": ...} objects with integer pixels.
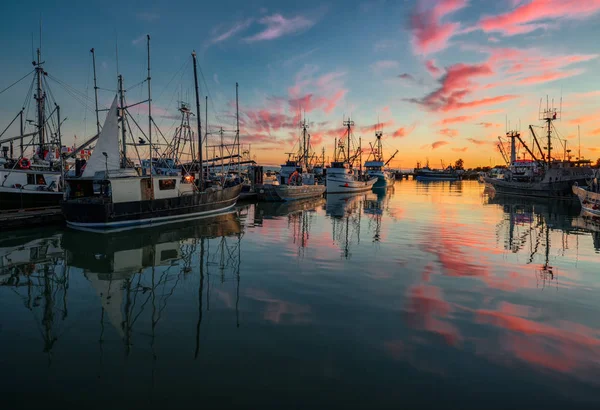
[
  {"x": 30, "y": 179},
  {"x": 166, "y": 184},
  {"x": 36, "y": 179}
]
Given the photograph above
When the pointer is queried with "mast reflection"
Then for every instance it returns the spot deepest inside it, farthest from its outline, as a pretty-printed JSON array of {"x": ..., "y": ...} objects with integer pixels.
[{"x": 527, "y": 226}]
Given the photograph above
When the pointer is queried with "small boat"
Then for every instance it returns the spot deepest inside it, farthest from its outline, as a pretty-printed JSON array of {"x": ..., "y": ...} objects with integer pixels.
[
  {"x": 109, "y": 196},
  {"x": 376, "y": 167},
  {"x": 296, "y": 178},
  {"x": 428, "y": 174},
  {"x": 341, "y": 177}
]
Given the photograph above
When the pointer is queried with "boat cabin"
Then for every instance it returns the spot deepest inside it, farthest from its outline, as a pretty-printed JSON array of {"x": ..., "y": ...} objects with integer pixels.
[{"x": 129, "y": 189}]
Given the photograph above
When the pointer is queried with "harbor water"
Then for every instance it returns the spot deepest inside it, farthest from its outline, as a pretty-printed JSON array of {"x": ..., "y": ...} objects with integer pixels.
[{"x": 421, "y": 295}]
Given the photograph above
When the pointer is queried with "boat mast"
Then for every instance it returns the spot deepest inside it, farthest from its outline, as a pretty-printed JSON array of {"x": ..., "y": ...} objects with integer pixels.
[
  {"x": 123, "y": 130},
  {"x": 237, "y": 129},
  {"x": 304, "y": 143},
  {"x": 149, "y": 107},
  {"x": 348, "y": 123},
  {"x": 40, "y": 99},
  {"x": 206, "y": 123},
  {"x": 199, "y": 123},
  {"x": 96, "y": 93}
]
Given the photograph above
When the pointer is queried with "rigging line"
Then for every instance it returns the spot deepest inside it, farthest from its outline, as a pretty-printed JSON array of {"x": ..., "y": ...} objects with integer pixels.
[
  {"x": 136, "y": 85},
  {"x": 182, "y": 69},
  {"x": 70, "y": 87},
  {"x": 18, "y": 81}
]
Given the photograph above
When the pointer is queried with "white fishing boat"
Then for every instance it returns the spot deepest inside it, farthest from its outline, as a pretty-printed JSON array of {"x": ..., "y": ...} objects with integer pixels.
[
  {"x": 341, "y": 177},
  {"x": 376, "y": 166},
  {"x": 296, "y": 177}
]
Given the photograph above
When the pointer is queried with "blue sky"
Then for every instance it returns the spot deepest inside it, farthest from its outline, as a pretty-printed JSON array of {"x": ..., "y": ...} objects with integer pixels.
[{"x": 403, "y": 62}]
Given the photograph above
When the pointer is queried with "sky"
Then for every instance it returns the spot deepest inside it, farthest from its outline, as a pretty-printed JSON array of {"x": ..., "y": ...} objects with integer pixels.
[{"x": 442, "y": 78}]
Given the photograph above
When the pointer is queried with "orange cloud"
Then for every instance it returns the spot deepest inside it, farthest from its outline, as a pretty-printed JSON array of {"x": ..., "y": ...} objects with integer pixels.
[{"x": 438, "y": 144}]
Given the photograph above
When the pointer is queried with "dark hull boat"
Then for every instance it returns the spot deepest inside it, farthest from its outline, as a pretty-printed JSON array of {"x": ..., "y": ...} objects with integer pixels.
[
  {"x": 542, "y": 176},
  {"x": 556, "y": 183},
  {"x": 16, "y": 198},
  {"x": 110, "y": 196},
  {"x": 102, "y": 213}
]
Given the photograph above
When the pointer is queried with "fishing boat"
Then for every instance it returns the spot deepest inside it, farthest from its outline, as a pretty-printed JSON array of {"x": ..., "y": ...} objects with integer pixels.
[
  {"x": 542, "y": 176},
  {"x": 589, "y": 195},
  {"x": 426, "y": 173},
  {"x": 376, "y": 166},
  {"x": 296, "y": 178},
  {"x": 111, "y": 196},
  {"x": 35, "y": 181},
  {"x": 341, "y": 177}
]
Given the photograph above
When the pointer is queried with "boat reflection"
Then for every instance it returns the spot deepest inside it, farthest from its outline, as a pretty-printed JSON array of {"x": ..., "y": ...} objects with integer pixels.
[
  {"x": 527, "y": 227},
  {"x": 346, "y": 211},
  {"x": 133, "y": 275}
]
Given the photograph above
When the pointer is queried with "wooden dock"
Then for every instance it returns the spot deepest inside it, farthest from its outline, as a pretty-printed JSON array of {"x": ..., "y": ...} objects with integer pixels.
[{"x": 26, "y": 218}]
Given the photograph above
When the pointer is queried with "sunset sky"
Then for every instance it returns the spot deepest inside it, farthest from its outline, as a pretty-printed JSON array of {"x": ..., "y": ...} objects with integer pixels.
[{"x": 442, "y": 77}]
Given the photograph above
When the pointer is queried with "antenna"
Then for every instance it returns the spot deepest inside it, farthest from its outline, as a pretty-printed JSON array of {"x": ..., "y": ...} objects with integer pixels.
[
  {"x": 579, "y": 137},
  {"x": 117, "y": 50},
  {"x": 40, "y": 31}
]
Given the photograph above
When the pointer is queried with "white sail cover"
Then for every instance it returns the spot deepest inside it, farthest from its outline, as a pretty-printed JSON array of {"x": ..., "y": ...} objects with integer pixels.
[{"x": 108, "y": 142}]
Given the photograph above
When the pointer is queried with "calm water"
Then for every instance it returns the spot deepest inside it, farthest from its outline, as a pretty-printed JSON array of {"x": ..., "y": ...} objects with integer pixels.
[{"x": 428, "y": 294}]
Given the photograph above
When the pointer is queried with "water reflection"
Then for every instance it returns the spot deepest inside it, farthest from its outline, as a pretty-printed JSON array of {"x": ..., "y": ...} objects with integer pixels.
[
  {"x": 133, "y": 275},
  {"x": 455, "y": 294}
]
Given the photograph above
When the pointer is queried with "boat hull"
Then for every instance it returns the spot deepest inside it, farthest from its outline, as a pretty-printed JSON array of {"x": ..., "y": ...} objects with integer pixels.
[
  {"x": 383, "y": 182},
  {"x": 590, "y": 201},
  {"x": 556, "y": 189},
  {"x": 96, "y": 215},
  {"x": 342, "y": 186},
  {"x": 17, "y": 198},
  {"x": 279, "y": 193}
]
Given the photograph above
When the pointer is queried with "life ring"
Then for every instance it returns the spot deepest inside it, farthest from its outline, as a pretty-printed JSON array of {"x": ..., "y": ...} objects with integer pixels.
[{"x": 24, "y": 163}]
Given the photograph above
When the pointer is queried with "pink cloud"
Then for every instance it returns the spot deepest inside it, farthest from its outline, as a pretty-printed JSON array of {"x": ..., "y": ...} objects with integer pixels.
[
  {"x": 488, "y": 124},
  {"x": 584, "y": 118},
  {"x": 432, "y": 68},
  {"x": 549, "y": 76},
  {"x": 529, "y": 16},
  {"x": 438, "y": 144},
  {"x": 448, "y": 132},
  {"x": 374, "y": 127},
  {"x": 455, "y": 85},
  {"x": 595, "y": 132},
  {"x": 402, "y": 132},
  {"x": 464, "y": 149},
  {"x": 453, "y": 120},
  {"x": 478, "y": 142},
  {"x": 219, "y": 35},
  {"x": 278, "y": 26},
  {"x": 429, "y": 33}
]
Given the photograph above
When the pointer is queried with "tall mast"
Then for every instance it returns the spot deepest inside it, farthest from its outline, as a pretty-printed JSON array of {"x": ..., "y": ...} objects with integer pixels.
[
  {"x": 59, "y": 135},
  {"x": 123, "y": 130},
  {"x": 96, "y": 92},
  {"x": 149, "y": 106},
  {"x": 199, "y": 123},
  {"x": 305, "y": 144},
  {"x": 40, "y": 99},
  {"x": 237, "y": 129},
  {"x": 206, "y": 123},
  {"x": 348, "y": 123}
]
